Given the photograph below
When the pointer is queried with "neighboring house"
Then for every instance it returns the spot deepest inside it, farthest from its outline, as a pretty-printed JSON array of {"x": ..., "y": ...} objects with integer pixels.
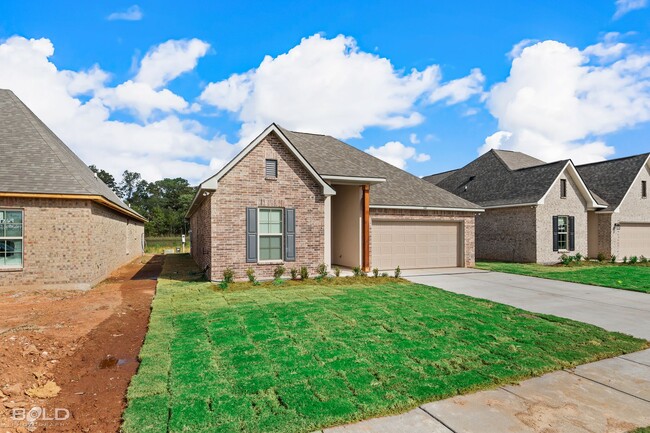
[
  {"x": 303, "y": 199},
  {"x": 60, "y": 226},
  {"x": 534, "y": 211},
  {"x": 623, "y": 228}
]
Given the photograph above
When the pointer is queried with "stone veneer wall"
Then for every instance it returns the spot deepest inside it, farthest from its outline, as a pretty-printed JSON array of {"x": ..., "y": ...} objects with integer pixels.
[
  {"x": 245, "y": 186},
  {"x": 466, "y": 218},
  {"x": 506, "y": 234},
  {"x": 70, "y": 244}
]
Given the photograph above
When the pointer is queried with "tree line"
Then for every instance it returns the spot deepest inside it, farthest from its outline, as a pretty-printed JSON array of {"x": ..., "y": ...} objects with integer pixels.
[{"x": 163, "y": 203}]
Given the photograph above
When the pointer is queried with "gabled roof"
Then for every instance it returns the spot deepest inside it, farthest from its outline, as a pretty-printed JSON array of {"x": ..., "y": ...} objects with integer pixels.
[
  {"x": 491, "y": 181},
  {"x": 332, "y": 157},
  {"x": 613, "y": 179},
  {"x": 439, "y": 177},
  {"x": 36, "y": 161}
]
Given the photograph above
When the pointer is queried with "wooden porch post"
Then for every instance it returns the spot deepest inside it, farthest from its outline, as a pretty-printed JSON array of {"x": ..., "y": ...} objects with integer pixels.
[{"x": 365, "y": 236}]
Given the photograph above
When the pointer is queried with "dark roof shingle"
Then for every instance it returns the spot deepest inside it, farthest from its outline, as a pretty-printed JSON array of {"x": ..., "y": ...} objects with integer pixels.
[
  {"x": 36, "y": 161},
  {"x": 330, "y": 156},
  {"x": 612, "y": 179}
]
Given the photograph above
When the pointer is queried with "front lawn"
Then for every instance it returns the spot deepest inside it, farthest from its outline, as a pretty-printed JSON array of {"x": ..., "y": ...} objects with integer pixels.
[
  {"x": 303, "y": 357},
  {"x": 616, "y": 275}
]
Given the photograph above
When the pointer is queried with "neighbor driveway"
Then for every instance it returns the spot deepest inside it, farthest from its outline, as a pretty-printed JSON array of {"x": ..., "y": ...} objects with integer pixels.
[{"x": 612, "y": 309}]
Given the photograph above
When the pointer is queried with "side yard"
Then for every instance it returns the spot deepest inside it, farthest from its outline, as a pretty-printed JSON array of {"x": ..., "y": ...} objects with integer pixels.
[
  {"x": 614, "y": 275},
  {"x": 295, "y": 358}
]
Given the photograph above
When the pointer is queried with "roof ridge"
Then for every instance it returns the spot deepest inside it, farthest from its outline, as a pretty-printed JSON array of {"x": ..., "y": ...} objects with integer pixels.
[
  {"x": 615, "y": 159},
  {"x": 494, "y": 152},
  {"x": 564, "y": 161}
]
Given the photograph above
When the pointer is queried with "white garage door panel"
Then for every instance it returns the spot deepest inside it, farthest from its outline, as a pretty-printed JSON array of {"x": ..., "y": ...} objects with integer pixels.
[
  {"x": 415, "y": 245},
  {"x": 634, "y": 240}
]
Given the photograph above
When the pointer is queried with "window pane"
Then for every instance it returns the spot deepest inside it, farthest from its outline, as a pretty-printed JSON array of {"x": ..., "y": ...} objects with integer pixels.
[
  {"x": 15, "y": 217},
  {"x": 13, "y": 230},
  {"x": 270, "y": 247},
  {"x": 265, "y": 254},
  {"x": 276, "y": 216},
  {"x": 562, "y": 224},
  {"x": 15, "y": 260},
  {"x": 2, "y": 230},
  {"x": 264, "y": 216},
  {"x": 562, "y": 241},
  {"x": 17, "y": 245},
  {"x": 265, "y": 242}
]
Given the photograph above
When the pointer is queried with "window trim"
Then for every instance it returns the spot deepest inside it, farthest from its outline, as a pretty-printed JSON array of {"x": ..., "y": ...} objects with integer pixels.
[
  {"x": 266, "y": 162},
  {"x": 563, "y": 188},
  {"x": 566, "y": 233},
  {"x": 20, "y": 238},
  {"x": 644, "y": 189},
  {"x": 260, "y": 235}
]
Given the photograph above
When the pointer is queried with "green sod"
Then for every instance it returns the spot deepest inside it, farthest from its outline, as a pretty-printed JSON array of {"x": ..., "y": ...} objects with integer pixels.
[
  {"x": 615, "y": 275},
  {"x": 301, "y": 358}
]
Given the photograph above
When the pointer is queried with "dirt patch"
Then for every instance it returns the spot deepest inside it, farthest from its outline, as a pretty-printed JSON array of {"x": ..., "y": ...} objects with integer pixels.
[{"x": 86, "y": 343}]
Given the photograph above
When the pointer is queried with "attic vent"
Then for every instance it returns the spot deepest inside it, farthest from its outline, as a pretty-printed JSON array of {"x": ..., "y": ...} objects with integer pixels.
[{"x": 271, "y": 169}]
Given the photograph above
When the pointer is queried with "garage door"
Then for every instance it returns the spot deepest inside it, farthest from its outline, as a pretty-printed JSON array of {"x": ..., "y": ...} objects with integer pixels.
[
  {"x": 634, "y": 240},
  {"x": 415, "y": 245}
]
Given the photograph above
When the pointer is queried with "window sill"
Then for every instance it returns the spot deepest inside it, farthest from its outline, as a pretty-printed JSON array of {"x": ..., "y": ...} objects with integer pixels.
[
  {"x": 270, "y": 262},
  {"x": 271, "y": 178},
  {"x": 11, "y": 269}
]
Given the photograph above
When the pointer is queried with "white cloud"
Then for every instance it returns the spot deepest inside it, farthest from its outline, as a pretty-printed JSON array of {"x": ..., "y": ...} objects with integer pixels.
[
  {"x": 397, "y": 154},
  {"x": 413, "y": 138},
  {"x": 325, "y": 85},
  {"x": 608, "y": 49},
  {"x": 141, "y": 98},
  {"x": 166, "y": 61},
  {"x": 168, "y": 147},
  {"x": 133, "y": 13},
  {"x": 557, "y": 104},
  {"x": 461, "y": 89},
  {"x": 519, "y": 47},
  {"x": 625, "y": 6}
]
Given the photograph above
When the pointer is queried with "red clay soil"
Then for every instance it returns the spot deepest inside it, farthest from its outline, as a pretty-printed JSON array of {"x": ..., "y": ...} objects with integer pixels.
[{"x": 85, "y": 342}]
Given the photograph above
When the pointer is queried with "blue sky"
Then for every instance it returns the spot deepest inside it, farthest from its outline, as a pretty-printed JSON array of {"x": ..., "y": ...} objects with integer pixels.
[{"x": 580, "y": 90}]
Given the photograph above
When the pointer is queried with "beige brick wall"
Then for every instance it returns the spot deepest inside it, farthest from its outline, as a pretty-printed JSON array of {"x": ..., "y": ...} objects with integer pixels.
[
  {"x": 245, "y": 186},
  {"x": 507, "y": 234},
  {"x": 633, "y": 209},
  {"x": 200, "y": 237},
  {"x": 465, "y": 218},
  {"x": 70, "y": 244},
  {"x": 573, "y": 205}
]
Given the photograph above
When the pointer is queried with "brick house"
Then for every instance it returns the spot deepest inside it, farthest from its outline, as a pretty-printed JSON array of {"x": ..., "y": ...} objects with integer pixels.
[
  {"x": 537, "y": 211},
  {"x": 621, "y": 229},
  {"x": 302, "y": 199},
  {"x": 60, "y": 226}
]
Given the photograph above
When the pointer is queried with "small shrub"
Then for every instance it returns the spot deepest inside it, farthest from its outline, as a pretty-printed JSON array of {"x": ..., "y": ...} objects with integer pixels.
[
  {"x": 578, "y": 257},
  {"x": 228, "y": 275},
  {"x": 364, "y": 274},
  {"x": 375, "y": 272},
  {"x": 601, "y": 257},
  {"x": 625, "y": 259},
  {"x": 633, "y": 260},
  {"x": 398, "y": 272},
  {"x": 278, "y": 272},
  {"x": 318, "y": 278},
  {"x": 565, "y": 260},
  {"x": 304, "y": 272},
  {"x": 356, "y": 271},
  {"x": 384, "y": 274},
  {"x": 337, "y": 271},
  {"x": 256, "y": 283},
  {"x": 250, "y": 273},
  {"x": 322, "y": 270},
  {"x": 294, "y": 273},
  {"x": 612, "y": 259},
  {"x": 278, "y": 282},
  {"x": 643, "y": 259},
  {"x": 223, "y": 285}
]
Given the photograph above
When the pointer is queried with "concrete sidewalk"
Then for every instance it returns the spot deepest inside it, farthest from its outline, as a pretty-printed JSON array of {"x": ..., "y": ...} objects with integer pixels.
[{"x": 607, "y": 396}]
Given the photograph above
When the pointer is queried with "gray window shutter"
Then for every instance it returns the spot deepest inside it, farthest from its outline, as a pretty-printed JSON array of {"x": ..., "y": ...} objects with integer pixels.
[
  {"x": 290, "y": 235},
  {"x": 555, "y": 247},
  {"x": 251, "y": 235},
  {"x": 572, "y": 233}
]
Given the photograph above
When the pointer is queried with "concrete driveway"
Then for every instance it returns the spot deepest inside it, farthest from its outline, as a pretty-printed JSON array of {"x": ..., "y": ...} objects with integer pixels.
[{"x": 612, "y": 309}]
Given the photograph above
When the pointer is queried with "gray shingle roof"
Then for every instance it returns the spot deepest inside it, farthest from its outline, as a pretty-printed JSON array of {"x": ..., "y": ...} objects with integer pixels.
[
  {"x": 517, "y": 160},
  {"x": 330, "y": 156},
  {"x": 612, "y": 179},
  {"x": 489, "y": 181},
  {"x": 36, "y": 161},
  {"x": 439, "y": 177}
]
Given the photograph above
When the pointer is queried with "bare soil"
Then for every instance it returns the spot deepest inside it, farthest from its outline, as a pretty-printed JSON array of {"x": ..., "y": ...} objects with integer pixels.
[{"x": 86, "y": 343}]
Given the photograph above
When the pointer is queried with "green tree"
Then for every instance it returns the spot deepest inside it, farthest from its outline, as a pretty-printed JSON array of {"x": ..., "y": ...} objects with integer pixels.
[{"x": 105, "y": 177}]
